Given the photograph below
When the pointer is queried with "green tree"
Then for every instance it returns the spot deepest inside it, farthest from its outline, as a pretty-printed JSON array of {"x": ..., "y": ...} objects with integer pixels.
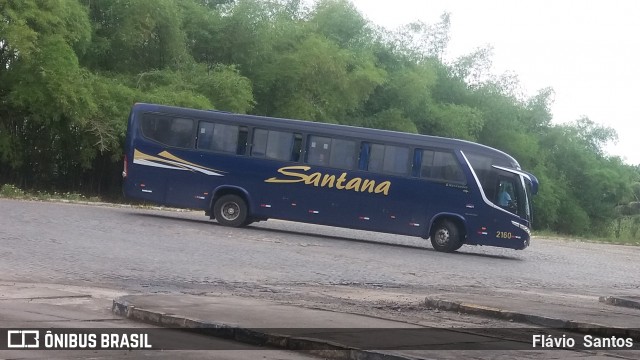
[
  {"x": 202, "y": 25},
  {"x": 131, "y": 36},
  {"x": 340, "y": 22},
  {"x": 319, "y": 81},
  {"x": 43, "y": 91},
  {"x": 421, "y": 41}
]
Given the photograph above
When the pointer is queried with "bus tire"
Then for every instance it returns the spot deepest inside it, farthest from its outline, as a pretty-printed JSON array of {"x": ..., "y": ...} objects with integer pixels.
[
  {"x": 231, "y": 210},
  {"x": 446, "y": 237}
]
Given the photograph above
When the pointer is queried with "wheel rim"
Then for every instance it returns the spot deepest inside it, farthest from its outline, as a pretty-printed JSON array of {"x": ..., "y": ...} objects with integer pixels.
[
  {"x": 230, "y": 211},
  {"x": 442, "y": 237}
]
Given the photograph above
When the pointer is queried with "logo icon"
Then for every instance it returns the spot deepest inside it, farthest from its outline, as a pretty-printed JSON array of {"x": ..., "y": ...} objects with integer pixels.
[{"x": 23, "y": 339}]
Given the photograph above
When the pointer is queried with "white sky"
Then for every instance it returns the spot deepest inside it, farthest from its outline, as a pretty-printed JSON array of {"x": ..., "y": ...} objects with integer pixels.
[{"x": 588, "y": 51}]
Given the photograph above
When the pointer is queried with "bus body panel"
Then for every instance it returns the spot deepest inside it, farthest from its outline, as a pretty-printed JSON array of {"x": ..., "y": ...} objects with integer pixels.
[
  {"x": 297, "y": 191},
  {"x": 403, "y": 210}
]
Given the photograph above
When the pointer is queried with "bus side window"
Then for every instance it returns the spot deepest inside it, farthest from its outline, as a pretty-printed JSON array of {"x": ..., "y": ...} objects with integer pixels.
[
  {"x": 225, "y": 138},
  {"x": 389, "y": 159},
  {"x": 376, "y": 158},
  {"x": 259, "y": 144},
  {"x": 277, "y": 145},
  {"x": 448, "y": 166},
  {"x": 221, "y": 137},
  {"x": 318, "y": 149},
  {"x": 343, "y": 154},
  {"x": 153, "y": 127},
  {"x": 336, "y": 153},
  {"x": 205, "y": 135},
  {"x": 396, "y": 160},
  {"x": 182, "y": 133},
  {"x": 440, "y": 165},
  {"x": 169, "y": 131},
  {"x": 427, "y": 164}
]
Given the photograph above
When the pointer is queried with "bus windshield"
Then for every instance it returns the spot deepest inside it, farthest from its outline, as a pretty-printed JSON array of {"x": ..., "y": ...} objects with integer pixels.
[
  {"x": 504, "y": 184},
  {"x": 511, "y": 194}
]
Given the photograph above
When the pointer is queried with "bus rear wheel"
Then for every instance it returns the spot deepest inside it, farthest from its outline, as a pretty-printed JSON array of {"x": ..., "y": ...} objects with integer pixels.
[
  {"x": 446, "y": 237},
  {"x": 231, "y": 210}
]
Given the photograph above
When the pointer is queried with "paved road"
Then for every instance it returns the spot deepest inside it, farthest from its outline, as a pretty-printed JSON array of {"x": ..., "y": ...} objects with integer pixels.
[
  {"x": 134, "y": 249},
  {"x": 129, "y": 250}
]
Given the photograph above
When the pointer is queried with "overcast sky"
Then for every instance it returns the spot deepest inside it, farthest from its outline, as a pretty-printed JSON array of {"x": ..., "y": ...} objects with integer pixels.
[{"x": 588, "y": 51}]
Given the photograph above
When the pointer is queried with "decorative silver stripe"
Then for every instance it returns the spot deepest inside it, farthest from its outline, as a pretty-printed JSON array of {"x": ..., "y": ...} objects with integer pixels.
[
  {"x": 523, "y": 227},
  {"x": 200, "y": 169},
  {"x": 179, "y": 166},
  {"x": 154, "y": 164}
]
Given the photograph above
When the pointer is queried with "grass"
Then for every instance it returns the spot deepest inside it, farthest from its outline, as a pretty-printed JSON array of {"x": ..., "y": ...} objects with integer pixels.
[
  {"x": 624, "y": 239},
  {"x": 13, "y": 192}
]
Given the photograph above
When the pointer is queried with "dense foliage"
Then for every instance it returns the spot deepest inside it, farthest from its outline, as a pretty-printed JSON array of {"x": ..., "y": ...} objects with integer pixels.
[{"x": 71, "y": 69}]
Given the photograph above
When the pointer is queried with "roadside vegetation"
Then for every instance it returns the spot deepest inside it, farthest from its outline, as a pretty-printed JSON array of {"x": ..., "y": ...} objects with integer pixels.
[
  {"x": 71, "y": 69},
  {"x": 627, "y": 237},
  {"x": 12, "y": 192}
]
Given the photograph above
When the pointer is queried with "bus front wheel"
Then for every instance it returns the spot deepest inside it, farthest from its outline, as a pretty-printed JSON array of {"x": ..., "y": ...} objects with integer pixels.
[
  {"x": 446, "y": 237},
  {"x": 231, "y": 210}
]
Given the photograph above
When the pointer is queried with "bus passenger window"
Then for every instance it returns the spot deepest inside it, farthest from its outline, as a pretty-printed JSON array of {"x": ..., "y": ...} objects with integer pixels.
[
  {"x": 221, "y": 137},
  {"x": 376, "y": 158},
  {"x": 181, "y": 133},
  {"x": 326, "y": 151},
  {"x": 204, "y": 135},
  {"x": 225, "y": 138},
  {"x": 427, "y": 164},
  {"x": 169, "y": 131},
  {"x": 448, "y": 167},
  {"x": 272, "y": 144},
  {"x": 396, "y": 160},
  {"x": 441, "y": 166},
  {"x": 318, "y": 150},
  {"x": 259, "y": 145},
  {"x": 343, "y": 154},
  {"x": 279, "y": 145},
  {"x": 389, "y": 159}
]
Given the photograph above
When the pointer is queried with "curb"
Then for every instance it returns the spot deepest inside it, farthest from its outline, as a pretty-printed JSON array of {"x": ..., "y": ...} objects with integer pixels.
[
  {"x": 620, "y": 301},
  {"x": 326, "y": 349},
  {"x": 545, "y": 321}
]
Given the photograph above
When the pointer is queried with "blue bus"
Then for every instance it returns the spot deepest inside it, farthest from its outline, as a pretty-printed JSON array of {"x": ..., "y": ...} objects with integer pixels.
[{"x": 241, "y": 169}]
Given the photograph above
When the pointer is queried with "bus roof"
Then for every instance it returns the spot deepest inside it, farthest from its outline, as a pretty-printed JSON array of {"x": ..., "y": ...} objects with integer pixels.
[{"x": 335, "y": 129}]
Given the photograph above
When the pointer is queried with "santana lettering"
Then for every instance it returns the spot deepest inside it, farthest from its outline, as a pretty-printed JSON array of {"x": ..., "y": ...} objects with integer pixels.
[{"x": 296, "y": 174}]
